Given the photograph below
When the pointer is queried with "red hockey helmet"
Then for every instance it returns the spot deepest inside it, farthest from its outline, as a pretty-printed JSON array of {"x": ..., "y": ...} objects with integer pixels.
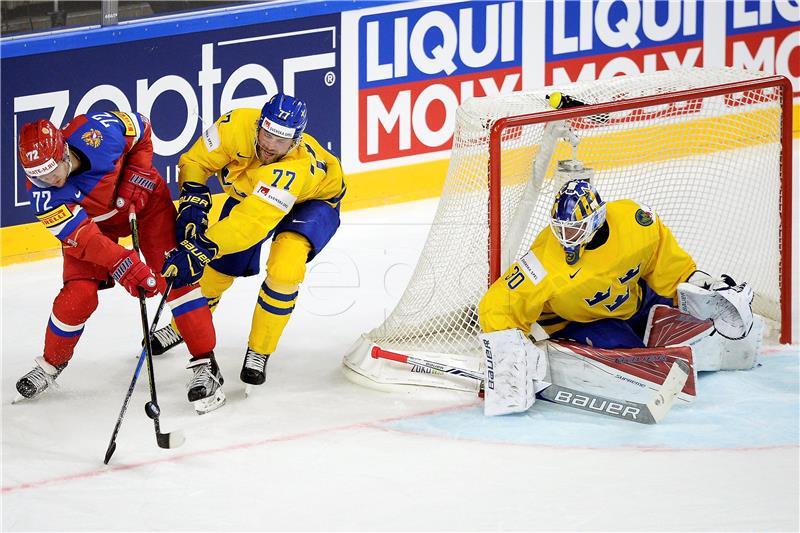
[{"x": 41, "y": 147}]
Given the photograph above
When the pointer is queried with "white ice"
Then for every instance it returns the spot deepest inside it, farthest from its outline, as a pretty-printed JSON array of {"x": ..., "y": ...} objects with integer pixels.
[{"x": 310, "y": 450}]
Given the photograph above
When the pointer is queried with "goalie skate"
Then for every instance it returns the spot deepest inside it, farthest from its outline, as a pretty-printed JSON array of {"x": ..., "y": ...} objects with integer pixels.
[{"x": 205, "y": 387}]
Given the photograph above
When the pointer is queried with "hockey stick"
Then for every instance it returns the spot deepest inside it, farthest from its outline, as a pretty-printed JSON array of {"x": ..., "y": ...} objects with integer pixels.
[
  {"x": 112, "y": 444},
  {"x": 644, "y": 413},
  {"x": 164, "y": 440},
  {"x": 379, "y": 353}
]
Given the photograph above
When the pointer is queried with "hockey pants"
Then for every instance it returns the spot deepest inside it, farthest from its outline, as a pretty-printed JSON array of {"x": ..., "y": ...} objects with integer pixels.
[{"x": 286, "y": 268}]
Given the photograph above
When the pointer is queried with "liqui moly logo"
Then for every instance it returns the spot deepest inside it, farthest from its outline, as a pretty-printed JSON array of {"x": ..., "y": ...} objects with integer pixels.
[
  {"x": 764, "y": 35},
  {"x": 590, "y": 40},
  {"x": 418, "y": 65}
]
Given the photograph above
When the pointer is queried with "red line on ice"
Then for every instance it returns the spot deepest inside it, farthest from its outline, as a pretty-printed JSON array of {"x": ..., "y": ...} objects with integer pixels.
[{"x": 233, "y": 447}]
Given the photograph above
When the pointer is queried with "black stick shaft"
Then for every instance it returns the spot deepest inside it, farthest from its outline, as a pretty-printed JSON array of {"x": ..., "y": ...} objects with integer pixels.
[
  {"x": 112, "y": 443},
  {"x": 148, "y": 349}
]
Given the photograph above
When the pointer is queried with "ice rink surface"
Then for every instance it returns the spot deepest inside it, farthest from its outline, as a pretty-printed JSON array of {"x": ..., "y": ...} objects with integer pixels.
[{"x": 312, "y": 451}]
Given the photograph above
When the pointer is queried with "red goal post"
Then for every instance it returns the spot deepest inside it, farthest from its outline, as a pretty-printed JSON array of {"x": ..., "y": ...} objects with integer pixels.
[{"x": 781, "y": 83}]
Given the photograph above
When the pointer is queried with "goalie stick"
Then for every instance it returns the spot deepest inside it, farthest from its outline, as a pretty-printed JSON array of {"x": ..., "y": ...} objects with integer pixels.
[{"x": 651, "y": 412}]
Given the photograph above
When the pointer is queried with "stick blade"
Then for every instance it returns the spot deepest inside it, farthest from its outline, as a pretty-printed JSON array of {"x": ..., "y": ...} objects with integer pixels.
[
  {"x": 170, "y": 440},
  {"x": 672, "y": 386}
]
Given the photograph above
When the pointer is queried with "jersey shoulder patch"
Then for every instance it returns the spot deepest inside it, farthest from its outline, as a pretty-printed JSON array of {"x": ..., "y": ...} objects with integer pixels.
[
  {"x": 56, "y": 216},
  {"x": 282, "y": 199},
  {"x": 644, "y": 216},
  {"x": 532, "y": 267},
  {"x": 211, "y": 138},
  {"x": 131, "y": 126}
]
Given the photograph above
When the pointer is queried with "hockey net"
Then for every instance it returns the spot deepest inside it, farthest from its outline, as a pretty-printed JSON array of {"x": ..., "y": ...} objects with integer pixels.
[{"x": 708, "y": 150}]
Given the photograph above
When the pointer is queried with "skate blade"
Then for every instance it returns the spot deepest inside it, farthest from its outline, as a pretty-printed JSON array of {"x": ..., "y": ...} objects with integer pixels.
[
  {"x": 19, "y": 398},
  {"x": 247, "y": 390},
  {"x": 206, "y": 405}
]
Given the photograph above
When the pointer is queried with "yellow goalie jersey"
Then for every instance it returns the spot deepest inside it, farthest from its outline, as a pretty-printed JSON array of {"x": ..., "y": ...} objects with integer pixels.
[
  {"x": 604, "y": 283},
  {"x": 266, "y": 192}
]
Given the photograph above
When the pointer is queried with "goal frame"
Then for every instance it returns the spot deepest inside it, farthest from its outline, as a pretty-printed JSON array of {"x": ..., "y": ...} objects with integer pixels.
[{"x": 785, "y": 201}]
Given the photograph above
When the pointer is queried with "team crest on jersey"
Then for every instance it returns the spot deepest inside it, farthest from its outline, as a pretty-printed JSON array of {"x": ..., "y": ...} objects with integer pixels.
[
  {"x": 644, "y": 218},
  {"x": 93, "y": 138}
]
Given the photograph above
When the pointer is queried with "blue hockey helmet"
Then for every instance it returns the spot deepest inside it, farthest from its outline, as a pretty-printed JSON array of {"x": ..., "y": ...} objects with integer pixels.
[
  {"x": 284, "y": 116},
  {"x": 577, "y": 214}
]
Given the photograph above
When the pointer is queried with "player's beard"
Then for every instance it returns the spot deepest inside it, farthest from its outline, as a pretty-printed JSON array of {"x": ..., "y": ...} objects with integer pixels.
[{"x": 267, "y": 158}]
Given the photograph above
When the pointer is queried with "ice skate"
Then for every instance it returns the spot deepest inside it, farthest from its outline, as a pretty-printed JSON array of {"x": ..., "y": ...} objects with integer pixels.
[
  {"x": 165, "y": 339},
  {"x": 205, "y": 387},
  {"x": 253, "y": 369},
  {"x": 38, "y": 380}
]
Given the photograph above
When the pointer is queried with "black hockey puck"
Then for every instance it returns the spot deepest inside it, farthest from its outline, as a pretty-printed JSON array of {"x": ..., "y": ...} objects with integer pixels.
[{"x": 152, "y": 410}]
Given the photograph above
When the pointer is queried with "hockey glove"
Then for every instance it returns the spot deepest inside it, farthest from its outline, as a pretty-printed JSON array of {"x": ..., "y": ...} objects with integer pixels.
[
  {"x": 133, "y": 274},
  {"x": 135, "y": 186},
  {"x": 724, "y": 301},
  {"x": 193, "y": 207},
  {"x": 515, "y": 371},
  {"x": 186, "y": 263}
]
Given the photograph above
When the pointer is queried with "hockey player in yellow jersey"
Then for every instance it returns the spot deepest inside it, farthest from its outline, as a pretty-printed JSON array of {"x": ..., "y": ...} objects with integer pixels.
[
  {"x": 593, "y": 275},
  {"x": 606, "y": 276},
  {"x": 281, "y": 184}
]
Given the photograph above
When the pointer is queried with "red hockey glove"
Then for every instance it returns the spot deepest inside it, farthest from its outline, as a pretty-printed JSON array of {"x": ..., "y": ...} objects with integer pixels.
[
  {"x": 133, "y": 274},
  {"x": 135, "y": 186}
]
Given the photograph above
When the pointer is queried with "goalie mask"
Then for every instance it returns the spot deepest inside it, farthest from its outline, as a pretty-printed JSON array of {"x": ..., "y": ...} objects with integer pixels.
[{"x": 578, "y": 212}]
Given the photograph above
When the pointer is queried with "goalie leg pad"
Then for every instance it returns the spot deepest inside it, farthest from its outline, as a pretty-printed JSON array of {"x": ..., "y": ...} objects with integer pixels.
[
  {"x": 719, "y": 353},
  {"x": 515, "y": 368},
  {"x": 668, "y": 326},
  {"x": 631, "y": 374}
]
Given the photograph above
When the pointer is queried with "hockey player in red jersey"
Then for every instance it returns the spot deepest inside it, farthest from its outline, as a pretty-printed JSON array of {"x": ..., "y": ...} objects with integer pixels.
[{"x": 82, "y": 182}]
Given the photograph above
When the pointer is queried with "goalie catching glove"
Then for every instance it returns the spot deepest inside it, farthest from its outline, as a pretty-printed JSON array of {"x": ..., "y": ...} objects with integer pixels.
[
  {"x": 726, "y": 303},
  {"x": 187, "y": 261},
  {"x": 515, "y": 368}
]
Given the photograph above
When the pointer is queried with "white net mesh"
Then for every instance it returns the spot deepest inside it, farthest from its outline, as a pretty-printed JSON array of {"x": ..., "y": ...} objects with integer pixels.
[{"x": 710, "y": 168}]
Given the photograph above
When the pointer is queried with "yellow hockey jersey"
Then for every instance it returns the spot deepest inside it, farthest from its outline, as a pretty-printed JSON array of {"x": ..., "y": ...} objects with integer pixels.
[
  {"x": 542, "y": 287},
  {"x": 265, "y": 192}
]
